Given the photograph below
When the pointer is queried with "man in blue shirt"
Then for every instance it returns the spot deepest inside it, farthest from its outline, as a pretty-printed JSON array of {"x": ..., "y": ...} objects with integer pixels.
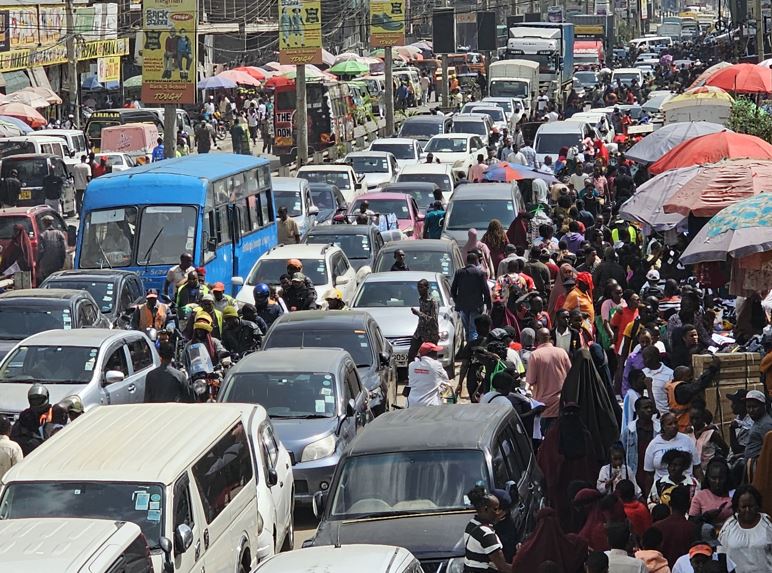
[
  {"x": 159, "y": 152},
  {"x": 433, "y": 221}
]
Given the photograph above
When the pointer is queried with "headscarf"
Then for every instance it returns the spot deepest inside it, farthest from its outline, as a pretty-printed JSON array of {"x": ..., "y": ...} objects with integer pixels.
[
  {"x": 18, "y": 250},
  {"x": 603, "y": 510},
  {"x": 473, "y": 244},
  {"x": 761, "y": 473},
  {"x": 558, "y": 290},
  {"x": 549, "y": 542},
  {"x": 586, "y": 278}
]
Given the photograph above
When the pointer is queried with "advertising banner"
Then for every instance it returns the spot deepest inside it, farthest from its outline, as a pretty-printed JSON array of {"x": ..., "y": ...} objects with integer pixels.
[
  {"x": 52, "y": 24},
  {"x": 300, "y": 32},
  {"x": 24, "y": 27},
  {"x": 5, "y": 30},
  {"x": 169, "y": 53},
  {"x": 644, "y": 9},
  {"x": 109, "y": 69},
  {"x": 387, "y": 23},
  {"x": 57, "y": 54}
]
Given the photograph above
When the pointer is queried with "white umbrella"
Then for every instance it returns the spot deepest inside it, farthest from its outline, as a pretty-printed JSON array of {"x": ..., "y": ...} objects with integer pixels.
[{"x": 27, "y": 98}]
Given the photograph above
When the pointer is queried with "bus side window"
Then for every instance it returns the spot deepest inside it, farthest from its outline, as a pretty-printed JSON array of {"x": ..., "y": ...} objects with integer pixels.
[
  {"x": 221, "y": 225},
  {"x": 254, "y": 212},
  {"x": 266, "y": 208}
]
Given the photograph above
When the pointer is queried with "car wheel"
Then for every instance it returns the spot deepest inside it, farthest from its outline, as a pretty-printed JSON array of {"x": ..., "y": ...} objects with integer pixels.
[{"x": 289, "y": 538}]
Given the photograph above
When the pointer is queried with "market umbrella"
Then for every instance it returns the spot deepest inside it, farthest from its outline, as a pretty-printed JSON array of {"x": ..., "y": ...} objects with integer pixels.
[
  {"x": 700, "y": 80},
  {"x": 46, "y": 93},
  {"x": 659, "y": 142},
  {"x": 31, "y": 99},
  {"x": 766, "y": 63},
  {"x": 645, "y": 206},
  {"x": 23, "y": 127},
  {"x": 252, "y": 71},
  {"x": 698, "y": 94},
  {"x": 275, "y": 66},
  {"x": 345, "y": 57},
  {"x": 279, "y": 81},
  {"x": 27, "y": 114},
  {"x": 10, "y": 130},
  {"x": 739, "y": 230},
  {"x": 719, "y": 185},
  {"x": 502, "y": 172},
  {"x": 133, "y": 82},
  {"x": 216, "y": 82},
  {"x": 742, "y": 78},
  {"x": 312, "y": 72},
  {"x": 525, "y": 172},
  {"x": 711, "y": 148},
  {"x": 407, "y": 51},
  {"x": 241, "y": 78},
  {"x": 350, "y": 68}
]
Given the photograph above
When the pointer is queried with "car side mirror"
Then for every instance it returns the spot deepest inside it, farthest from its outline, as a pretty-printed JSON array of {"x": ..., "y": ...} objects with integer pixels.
[
  {"x": 511, "y": 488},
  {"x": 318, "y": 503},
  {"x": 385, "y": 358},
  {"x": 420, "y": 217},
  {"x": 166, "y": 547},
  {"x": 340, "y": 281},
  {"x": 350, "y": 408},
  {"x": 313, "y": 210},
  {"x": 211, "y": 245},
  {"x": 237, "y": 281},
  {"x": 113, "y": 376},
  {"x": 183, "y": 538},
  {"x": 273, "y": 477},
  {"x": 72, "y": 235}
]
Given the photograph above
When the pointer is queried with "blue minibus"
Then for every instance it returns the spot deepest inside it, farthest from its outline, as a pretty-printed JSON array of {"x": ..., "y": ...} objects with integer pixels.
[{"x": 218, "y": 207}]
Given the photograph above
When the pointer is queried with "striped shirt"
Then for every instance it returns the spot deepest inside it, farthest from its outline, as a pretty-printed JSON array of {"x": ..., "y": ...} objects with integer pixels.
[{"x": 480, "y": 541}]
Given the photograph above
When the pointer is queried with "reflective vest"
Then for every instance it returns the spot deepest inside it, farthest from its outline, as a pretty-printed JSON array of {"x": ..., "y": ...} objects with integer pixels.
[
  {"x": 147, "y": 320},
  {"x": 680, "y": 411},
  {"x": 630, "y": 231}
]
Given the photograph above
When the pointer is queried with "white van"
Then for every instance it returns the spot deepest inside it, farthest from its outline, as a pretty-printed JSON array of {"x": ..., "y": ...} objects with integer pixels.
[
  {"x": 73, "y": 546},
  {"x": 647, "y": 43},
  {"x": 74, "y": 138},
  {"x": 551, "y": 137},
  {"x": 626, "y": 76},
  {"x": 343, "y": 559},
  {"x": 294, "y": 193},
  {"x": 192, "y": 476},
  {"x": 34, "y": 144}
]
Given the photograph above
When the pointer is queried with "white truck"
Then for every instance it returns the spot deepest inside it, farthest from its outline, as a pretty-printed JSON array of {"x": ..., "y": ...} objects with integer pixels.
[
  {"x": 541, "y": 45},
  {"x": 514, "y": 78}
]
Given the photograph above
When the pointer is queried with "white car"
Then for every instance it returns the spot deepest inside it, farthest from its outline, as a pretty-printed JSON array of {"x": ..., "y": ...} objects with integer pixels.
[
  {"x": 352, "y": 558},
  {"x": 338, "y": 174},
  {"x": 407, "y": 151},
  {"x": 377, "y": 167},
  {"x": 325, "y": 265},
  {"x": 513, "y": 107},
  {"x": 441, "y": 174},
  {"x": 119, "y": 161},
  {"x": 459, "y": 150},
  {"x": 599, "y": 119},
  {"x": 495, "y": 113}
]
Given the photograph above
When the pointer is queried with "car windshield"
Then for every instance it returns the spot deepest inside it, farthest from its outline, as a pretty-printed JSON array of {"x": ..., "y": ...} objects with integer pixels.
[
  {"x": 355, "y": 246},
  {"x": 285, "y": 394},
  {"x": 292, "y": 200},
  {"x": 369, "y": 164},
  {"x": 340, "y": 179},
  {"x": 423, "y": 198},
  {"x": 164, "y": 233},
  {"x": 626, "y": 79},
  {"x": 441, "y": 180},
  {"x": 116, "y": 161},
  {"x": 399, "y": 294},
  {"x": 469, "y": 126},
  {"x": 7, "y": 223},
  {"x": 404, "y": 483},
  {"x": 54, "y": 364},
  {"x": 399, "y": 150},
  {"x": 419, "y": 260},
  {"x": 324, "y": 198},
  {"x": 32, "y": 171},
  {"x": 270, "y": 270},
  {"x": 139, "y": 503},
  {"x": 16, "y": 148},
  {"x": 447, "y": 145},
  {"x": 495, "y": 114},
  {"x": 102, "y": 291},
  {"x": 355, "y": 342},
  {"x": 508, "y": 88},
  {"x": 467, "y": 214},
  {"x": 385, "y": 206},
  {"x": 505, "y": 105},
  {"x": 586, "y": 79},
  {"x": 420, "y": 128},
  {"x": 95, "y": 127},
  {"x": 552, "y": 142},
  {"x": 18, "y": 321}
]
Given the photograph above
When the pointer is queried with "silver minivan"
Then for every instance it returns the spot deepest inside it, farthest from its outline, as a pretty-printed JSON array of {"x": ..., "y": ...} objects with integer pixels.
[
  {"x": 294, "y": 193},
  {"x": 474, "y": 205}
]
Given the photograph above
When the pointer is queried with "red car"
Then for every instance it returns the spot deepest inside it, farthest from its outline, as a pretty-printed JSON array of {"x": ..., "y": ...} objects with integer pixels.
[
  {"x": 409, "y": 220},
  {"x": 31, "y": 218}
]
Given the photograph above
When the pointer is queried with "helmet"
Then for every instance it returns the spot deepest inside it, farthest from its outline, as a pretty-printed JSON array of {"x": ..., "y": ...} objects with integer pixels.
[
  {"x": 37, "y": 395},
  {"x": 203, "y": 322},
  {"x": 333, "y": 294},
  {"x": 261, "y": 291}
]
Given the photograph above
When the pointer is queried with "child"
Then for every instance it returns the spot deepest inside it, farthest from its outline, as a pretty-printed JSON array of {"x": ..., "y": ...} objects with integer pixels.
[
  {"x": 611, "y": 474},
  {"x": 637, "y": 513},
  {"x": 650, "y": 552},
  {"x": 677, "y": 463},
  {"x": 637, "y": 380}
]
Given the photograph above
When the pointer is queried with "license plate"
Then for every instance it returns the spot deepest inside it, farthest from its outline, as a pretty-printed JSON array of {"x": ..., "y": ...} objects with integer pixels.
[
  {"x": 400, "y": 359},
  {"x": 25, "y": 194}
]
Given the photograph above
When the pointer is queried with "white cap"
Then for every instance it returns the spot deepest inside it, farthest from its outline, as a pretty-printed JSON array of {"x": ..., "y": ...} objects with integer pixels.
[
  {"x": 756, "y": 395},
  {"x": 652, "y": 276}
]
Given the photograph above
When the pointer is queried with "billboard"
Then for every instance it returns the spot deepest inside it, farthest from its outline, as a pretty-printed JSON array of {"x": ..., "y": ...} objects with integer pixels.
[
  {"x": 5, "y": 30},
  {"x": 387, "y": 23},
  {"x": 300, "y": 32},
  {"x": 169, "y": 53},
  {"x": 109, "y": 69}
]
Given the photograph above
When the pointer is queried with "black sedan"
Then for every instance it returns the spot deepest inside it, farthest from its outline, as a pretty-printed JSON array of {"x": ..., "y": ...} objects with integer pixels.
[
  {"x": 360, "y": 243},
  {"x": 328, "y": 199},
  {"x": 353, "y": 331}
]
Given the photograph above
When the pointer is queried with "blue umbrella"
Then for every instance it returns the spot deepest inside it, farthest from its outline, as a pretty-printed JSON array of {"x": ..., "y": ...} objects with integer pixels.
[
  {"x": 216, "y": 82},
  {"x": 91, "y": 82},
  {"x": 17, "y": 122}
]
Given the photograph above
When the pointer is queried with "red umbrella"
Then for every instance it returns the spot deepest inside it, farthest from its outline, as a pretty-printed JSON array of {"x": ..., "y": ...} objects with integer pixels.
[
  {"x": 279, "y": 81},
  {"x": 711, "y": 148},
  {"x": 256, "y": 73},
  {"x": 742, "y": 78},
  {"x": 720, "y": 185},
  {"x": 27, "y": 114}
]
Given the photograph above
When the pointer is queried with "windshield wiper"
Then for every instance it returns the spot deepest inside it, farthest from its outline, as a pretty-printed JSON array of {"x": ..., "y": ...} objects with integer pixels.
[{"x": 150, "y": 248}]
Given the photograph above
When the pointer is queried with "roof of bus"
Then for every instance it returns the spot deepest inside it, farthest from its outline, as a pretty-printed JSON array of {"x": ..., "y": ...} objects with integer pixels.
[{"x": 169, "y": 174}]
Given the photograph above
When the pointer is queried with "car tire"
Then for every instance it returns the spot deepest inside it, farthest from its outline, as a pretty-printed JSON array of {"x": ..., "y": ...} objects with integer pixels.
[{"x": 289, "y": 538}]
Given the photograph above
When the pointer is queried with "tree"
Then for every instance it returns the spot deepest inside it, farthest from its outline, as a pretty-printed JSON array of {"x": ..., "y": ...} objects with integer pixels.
[{"x": 747, "y": 117}]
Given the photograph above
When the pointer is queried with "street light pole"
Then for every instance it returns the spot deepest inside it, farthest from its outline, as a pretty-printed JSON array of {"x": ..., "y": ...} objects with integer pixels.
[{"x": 72, "y": 62}]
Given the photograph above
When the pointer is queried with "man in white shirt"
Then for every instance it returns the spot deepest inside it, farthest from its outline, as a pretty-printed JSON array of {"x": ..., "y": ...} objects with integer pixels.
[
  {"x": 177, "y": 273},
  {"x": 541, "y": 103},
  {"x": 618, "y": 560},
  {"x": 659, "y": 374},
  {"x": 426, "y": 378},
  {"x": 10, "y": 451}
]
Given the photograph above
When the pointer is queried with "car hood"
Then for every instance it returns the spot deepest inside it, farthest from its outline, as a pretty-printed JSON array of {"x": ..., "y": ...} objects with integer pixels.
[
  {"x": 296, "y": 434},
  {"x": 13, "y": 396},
  {"x": 376, "y": 179},
  {"x": 405, "y": 162},
  {"x": 433, "y": 536},
  {"x": 394, "y": 321},
  {"x": 450, "y": 157}
]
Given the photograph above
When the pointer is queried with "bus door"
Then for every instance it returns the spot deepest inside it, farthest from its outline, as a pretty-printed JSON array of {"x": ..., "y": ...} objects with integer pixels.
[{"x": 235, "y": 226}]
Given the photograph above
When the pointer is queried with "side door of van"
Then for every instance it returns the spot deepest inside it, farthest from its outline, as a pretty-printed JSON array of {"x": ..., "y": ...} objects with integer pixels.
[
  {"x": 120, "y": 390},
  {"x": 187, "y": 509},
  {"x": 276, "y": 463}
]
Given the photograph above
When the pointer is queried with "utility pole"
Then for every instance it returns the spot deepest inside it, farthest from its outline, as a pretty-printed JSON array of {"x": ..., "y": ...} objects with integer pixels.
[
  {"x": 388, "y": 60},
  {"x": 170, "y": 131},
  {"x": 759, "y": 30},
  {"x": 72, "y": 62},
  {"x": 301, "y": 115},
  {"x": 445, "y": 79}
]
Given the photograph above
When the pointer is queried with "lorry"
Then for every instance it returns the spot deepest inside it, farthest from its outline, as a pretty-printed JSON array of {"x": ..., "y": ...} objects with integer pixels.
[
  {"x": 671, "y": 27},
  {"x": 551, "y": 44},
  {"x": 514, "y": 78},
  {"x": 588, "y": 54}
]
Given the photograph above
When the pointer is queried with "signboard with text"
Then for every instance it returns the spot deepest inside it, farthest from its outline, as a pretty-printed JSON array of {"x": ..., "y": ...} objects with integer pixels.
[
  {"x": 169, "y": 53},
  {"x": 109, "y": 69},
  {"x": 300, "y": 32},
  {"x": 387, "y": 23},
  {"x": 5, "y": 30},
  {"x": 57, "y": 54}
]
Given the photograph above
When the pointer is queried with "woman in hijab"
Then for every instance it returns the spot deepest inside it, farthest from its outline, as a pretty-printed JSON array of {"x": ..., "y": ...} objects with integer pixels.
[
  {"x": 602, "y": 510},
  {"x": 567, "y": 451},
  {"x": 18, "y": 251},
  {"x": 585, "y": 389},
  {"x": 496, "y": 240},
  {"x": 558, "y": 292},
  {"x": 473, "y": 244},
  {"x": 601, "y": 364},
  {"x": 549, "y": 542}
]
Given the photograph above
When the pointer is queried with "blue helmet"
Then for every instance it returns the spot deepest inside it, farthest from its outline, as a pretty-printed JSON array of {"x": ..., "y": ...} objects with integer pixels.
[{"x": 261, "y": 291}]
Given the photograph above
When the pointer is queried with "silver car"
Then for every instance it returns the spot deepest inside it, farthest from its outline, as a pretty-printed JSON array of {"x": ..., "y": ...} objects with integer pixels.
[
  {"x": 97, "y": 365},
  {"x": 389, "y": 296}
]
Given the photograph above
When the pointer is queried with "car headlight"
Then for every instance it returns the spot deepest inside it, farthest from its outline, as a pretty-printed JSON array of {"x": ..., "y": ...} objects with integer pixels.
[
  {"x": 455, "y": 565},
  {"x": 319, "y": 449},
  {"x": 443, "y": 335}
]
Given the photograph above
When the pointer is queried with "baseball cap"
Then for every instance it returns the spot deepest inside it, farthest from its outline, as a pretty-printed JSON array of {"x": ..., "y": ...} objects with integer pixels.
[
  {"x": 230, "y": 312},
  {"x": 207, "y": 298},
  {"x": 738, "y": 395},
  {"x": 498, "y": 333},
  {"x": 299, "y": 277},
  {"x": 218, "y": 287},
  {"x": 151, "y": 293},
  {"x": 756, "y": 395},
  {"x": 652, "y": 275},
  {"x": 700, "y": 549},
  {"x": 428, "y": 347}
]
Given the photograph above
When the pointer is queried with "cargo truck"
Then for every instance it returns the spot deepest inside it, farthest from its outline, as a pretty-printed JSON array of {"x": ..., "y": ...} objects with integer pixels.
[
  {"x": 551, "y": 44},
  {"x": 514, "y": 78}
]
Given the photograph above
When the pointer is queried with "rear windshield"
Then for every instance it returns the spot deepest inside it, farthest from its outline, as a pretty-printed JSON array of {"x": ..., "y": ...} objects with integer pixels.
[
  {"x": 18, "y": 321},
  {"x": 31, "y": 170},
  {"x": 16, "y": 148},
  {"x": 7, "y": 224}
]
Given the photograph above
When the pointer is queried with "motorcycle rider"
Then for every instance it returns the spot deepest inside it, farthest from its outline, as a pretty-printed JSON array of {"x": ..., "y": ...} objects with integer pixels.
[
  {"x": 202, "y": 334},
  {"x": 333, "y": 300},
  {"x": 267, "y": 309},
  {"x": 207, "y": 305},
  {"x": 240, "y": 336},
  {"x": 295, "y": 266},
  {"x": 152, "y": 314},
  {"x": 298, "y": 296},
  {"x": 27, "y": 430},
  {"x": 222, "y": 300}
]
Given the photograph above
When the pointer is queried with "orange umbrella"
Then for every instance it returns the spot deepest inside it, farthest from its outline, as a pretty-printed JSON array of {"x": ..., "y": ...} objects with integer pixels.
[
  {"x": 27, "y": 114},
  {"x": 238, "y": 77},
  {"x": 720, "y": 185},
  {"x": 711, "y": 148},
  {"x": 256, "y": 73},
  {"x": 742, "y": 78}
]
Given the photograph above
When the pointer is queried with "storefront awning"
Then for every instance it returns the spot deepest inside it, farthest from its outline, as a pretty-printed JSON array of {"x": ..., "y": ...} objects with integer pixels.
[{"x": 15, "y": 81}]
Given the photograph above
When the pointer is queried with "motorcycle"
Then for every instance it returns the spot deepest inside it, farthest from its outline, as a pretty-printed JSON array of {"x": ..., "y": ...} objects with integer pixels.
[{"x": 204, "y": 378}]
